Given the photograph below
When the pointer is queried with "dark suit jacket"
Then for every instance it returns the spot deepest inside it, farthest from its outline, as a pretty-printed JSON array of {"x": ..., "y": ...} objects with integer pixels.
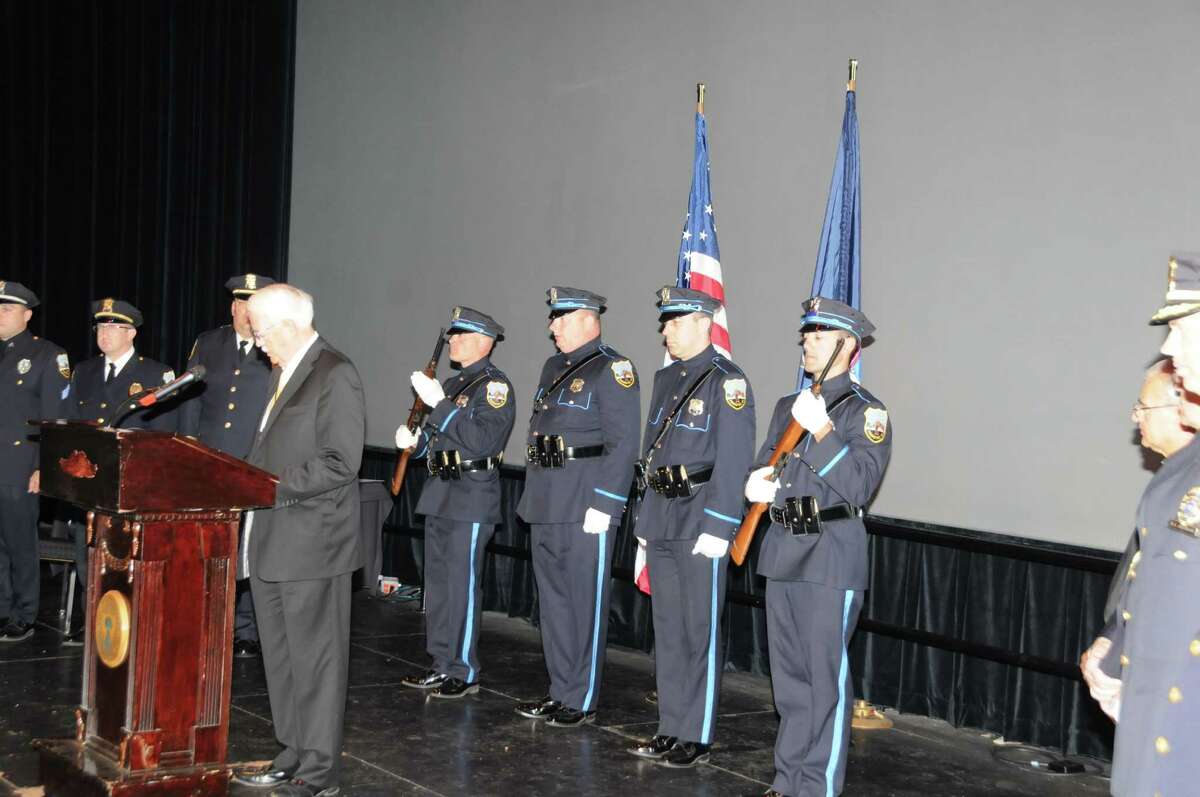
[{"x": 313, "y": 441}]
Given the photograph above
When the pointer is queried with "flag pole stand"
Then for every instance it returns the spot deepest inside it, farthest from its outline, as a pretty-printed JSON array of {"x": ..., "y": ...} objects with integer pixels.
[{"x": 868, "y": 718}]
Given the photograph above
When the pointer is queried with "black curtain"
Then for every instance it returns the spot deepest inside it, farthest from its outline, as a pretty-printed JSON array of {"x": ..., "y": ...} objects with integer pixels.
[
  {"x": 147, "y": 149},
  {"x": 965, "y": 586}
]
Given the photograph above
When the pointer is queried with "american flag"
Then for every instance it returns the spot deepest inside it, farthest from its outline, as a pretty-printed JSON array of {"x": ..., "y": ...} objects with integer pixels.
[{"x": 699, "y": 256}]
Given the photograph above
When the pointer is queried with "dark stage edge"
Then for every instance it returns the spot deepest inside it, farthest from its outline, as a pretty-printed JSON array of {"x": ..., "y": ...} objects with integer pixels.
[{"x": 400, "y": 743}]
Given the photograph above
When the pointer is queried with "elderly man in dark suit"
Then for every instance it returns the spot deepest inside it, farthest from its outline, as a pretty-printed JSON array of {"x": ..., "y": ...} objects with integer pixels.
[{"x": 300, "y": 554}]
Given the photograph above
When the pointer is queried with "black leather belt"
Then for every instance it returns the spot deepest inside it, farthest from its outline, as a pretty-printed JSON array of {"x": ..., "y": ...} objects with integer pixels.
[
  {"x": 676, "y": 481},
  {"x": 549, "y": 451},
  {"x": 447, "y": 464},
  {"x": 802, "y": 516}
]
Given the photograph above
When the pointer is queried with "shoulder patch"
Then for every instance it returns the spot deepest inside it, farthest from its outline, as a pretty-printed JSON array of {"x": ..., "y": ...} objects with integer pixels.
[
  {"x": 875, "y": 424},
  {"x": 623, "y": 372},
  {"x": 735, "y": 393},
  {"x": 168, "y": 375},
  {"x": 64, "y": 365},
  {"x": 497, "y": 394}
]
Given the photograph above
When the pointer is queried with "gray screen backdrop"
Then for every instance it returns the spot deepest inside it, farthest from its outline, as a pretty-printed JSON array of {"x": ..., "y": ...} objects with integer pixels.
[{"x": 1027, "y": 168}]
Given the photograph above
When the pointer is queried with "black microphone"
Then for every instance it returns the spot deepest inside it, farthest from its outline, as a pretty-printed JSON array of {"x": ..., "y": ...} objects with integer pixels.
[{"x": 194, "y": 374}]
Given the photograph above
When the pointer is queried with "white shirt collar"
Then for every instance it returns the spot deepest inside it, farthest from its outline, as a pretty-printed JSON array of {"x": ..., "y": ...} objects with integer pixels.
[
  {"x": 238, "y": 340},
  {"x": 120, "y": 362},
  {"x": 294, "y": 363}
]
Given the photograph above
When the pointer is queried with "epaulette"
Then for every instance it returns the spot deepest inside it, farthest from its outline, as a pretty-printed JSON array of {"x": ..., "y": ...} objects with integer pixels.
[
  {"x": 726, "y": 365},
  {"x": 609, "y": 351}
]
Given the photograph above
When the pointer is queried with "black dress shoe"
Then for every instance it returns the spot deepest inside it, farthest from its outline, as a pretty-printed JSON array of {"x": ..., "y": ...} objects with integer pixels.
[
  {"x": 453, "y": 688},
  {"x": 539, "y": 709},
  {"x": 15, "y": 631},
  {"x": 654, "y": 748},
  {"x": 686, "y": 754},
  {"x": 567, "y": 717},
  {"x": 429, "y": 680},
  {"x": 246, "y": 649},
  {"x": 263, "y": 777},
  {"x": 652, "y": 697},
  {"x": 297, "y": 787}
]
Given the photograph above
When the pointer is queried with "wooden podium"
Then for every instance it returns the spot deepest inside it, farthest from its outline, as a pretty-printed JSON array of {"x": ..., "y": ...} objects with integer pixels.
[{"x": 162, "y": 531}]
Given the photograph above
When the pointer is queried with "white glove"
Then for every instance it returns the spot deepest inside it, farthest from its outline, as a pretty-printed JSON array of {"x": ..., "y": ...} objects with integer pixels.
[
  {"x": 710, "y": 546},
  {"x": 641, "y": 542},
  {"x": 429, "y": 389},
  {"x": 595, "y": 521},
  {"x": 1104, "y": 689},
  {"x": 406, "y": 438},
  {"x": 809, "y": 411},
  {"x": 760, "y": 489}
]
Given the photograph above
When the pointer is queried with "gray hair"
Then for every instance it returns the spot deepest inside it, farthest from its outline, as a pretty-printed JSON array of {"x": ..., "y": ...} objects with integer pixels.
[{"x": 283, "y": 302}]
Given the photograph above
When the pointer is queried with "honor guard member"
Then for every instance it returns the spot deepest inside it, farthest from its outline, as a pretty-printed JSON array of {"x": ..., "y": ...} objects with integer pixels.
[
  {"x": 101, "y": 387},
  {"x": 697, "y": 450},
  {"x": 34, "y": 376},
  {"x": 223, "y": 411},
  {"x": 582, "y": 442},
  {"x": 1155, "y": 632},
  {"x": 463, "y": 440},
  {"x": 814, "y": 554}
]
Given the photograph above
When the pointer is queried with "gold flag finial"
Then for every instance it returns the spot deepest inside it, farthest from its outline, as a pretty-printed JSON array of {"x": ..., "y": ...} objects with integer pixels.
[
  {"x": 700, "y": 87},
  {"x": 853, "y": 80}
]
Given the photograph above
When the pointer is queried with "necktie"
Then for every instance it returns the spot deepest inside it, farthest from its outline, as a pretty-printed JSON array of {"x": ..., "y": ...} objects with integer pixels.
[
  {"x": 244, "y": 349},
  {"x": 112, "y": 372}
]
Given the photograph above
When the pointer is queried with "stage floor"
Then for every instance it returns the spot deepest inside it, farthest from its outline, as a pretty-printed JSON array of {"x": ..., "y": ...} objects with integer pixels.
[{"x": 400, "y": 743}]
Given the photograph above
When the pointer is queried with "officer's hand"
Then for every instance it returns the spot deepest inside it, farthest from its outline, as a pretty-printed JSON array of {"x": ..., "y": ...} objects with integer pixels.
[
  {"x": 809, "y": 411},
  {"x": 35, "y": 482},
  {"x": 760, "y": 489},
  {"x": 1112, "y": 708},
  {"x": 596, "y": 521},
  {"x": 1103, "y": 688},
  {"x": 710, "y": 546},
  {"x": 429, "y": 389},
  {"x": 406, "y": 438}
]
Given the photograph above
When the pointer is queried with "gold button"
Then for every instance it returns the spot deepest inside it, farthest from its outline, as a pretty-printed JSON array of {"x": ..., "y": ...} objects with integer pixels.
[
  {"x": 20, "y": 381},
  {"x": 1124, "y": 660},
  {"x": 103, "y": 406},
  {"x": 228, "y": 424},
  {"x": 683, "y": 373},
  {"x": 16, "y": 442},
  {"x": 233, "y": 389},
  {"x": 99, "y": 420},
  {"x": 570, "y": 402},
  {"x": 1162, "y": 745},
  {"x": 231, "y": 405},
  {"x": 237, "y": 371},
  {"x": 1137, "y": 557},
  {"x": 1143, "y": 531},
  {"x": 1194, "y": 648},
  {"x": 1180, "y": 555},
  {"x": 1174, "y": 695},
  {"x": 1127, "y": 616}
]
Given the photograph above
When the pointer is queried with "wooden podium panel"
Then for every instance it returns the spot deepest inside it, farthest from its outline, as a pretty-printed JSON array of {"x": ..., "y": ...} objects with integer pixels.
[{"x": 162, "y": 533}]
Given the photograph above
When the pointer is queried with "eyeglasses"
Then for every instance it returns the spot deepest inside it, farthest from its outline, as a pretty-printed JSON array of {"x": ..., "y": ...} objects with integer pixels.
[
  {"x": 259, "y": 334},
  {"x": 1140, "y": 407}
]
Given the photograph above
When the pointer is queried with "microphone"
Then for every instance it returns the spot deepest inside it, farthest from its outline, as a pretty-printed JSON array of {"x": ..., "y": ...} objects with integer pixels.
[{"x": 194, "y": 374}]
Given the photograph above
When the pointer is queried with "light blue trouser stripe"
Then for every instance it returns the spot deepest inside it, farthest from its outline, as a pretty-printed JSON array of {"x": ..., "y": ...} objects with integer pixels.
[
  {"x": 710, "y": 688},
  {"x": 587, "y": 700},
  {"x": 839, "y": 719},
  {"x": 466, "y": 646}
]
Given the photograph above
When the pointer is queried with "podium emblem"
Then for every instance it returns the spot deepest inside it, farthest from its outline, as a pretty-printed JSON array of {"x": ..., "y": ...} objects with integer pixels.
[{"x": 111, "y": 633}]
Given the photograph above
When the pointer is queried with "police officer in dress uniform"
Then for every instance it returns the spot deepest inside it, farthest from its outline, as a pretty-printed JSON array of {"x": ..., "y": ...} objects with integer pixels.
[
  {"x": 223, "y": 411},
  {"x": 463, "y": 440},
  {"x": 814, "y": 554},
  {"x": 102, "y": 386},
  {"x": 34, "y": 375},
  {"x": 1155, "y": 633},
  {"x": 698, "y": 447},
  {"x": 582, "y": 442}
]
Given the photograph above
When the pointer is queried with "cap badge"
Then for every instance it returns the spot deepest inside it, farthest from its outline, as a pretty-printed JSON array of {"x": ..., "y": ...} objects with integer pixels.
[
  {"x": 553, "y": 295},
  {"x": 665, "y": 294},
  {"x": 106, "y": 306},
  {"x": 457, "y": 312},
  {"x": 3, "y": 286},
  {"x": 1171, "y": 266},
  {"x": 251, "y": 282}
]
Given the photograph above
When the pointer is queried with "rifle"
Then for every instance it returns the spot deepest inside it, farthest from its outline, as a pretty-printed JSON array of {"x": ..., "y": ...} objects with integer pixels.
[
  {"x": 414, "y": 415},
  {"x": 791, "y": 437}
]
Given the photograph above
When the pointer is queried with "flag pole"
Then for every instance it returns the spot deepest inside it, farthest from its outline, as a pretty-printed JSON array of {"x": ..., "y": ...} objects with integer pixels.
[
  {"x": 853, "y": 80},
  {"x": 700, "y": 98}
]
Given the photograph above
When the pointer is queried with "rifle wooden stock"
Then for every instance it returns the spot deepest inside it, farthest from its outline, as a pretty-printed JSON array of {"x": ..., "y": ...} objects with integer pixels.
[
  {"x": 414, "y": 416},
  {"x": 793, "y": 433}
]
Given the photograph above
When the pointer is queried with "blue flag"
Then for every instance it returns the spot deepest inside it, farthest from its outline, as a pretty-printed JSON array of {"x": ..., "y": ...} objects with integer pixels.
[{"x": 839, "y": 265}]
